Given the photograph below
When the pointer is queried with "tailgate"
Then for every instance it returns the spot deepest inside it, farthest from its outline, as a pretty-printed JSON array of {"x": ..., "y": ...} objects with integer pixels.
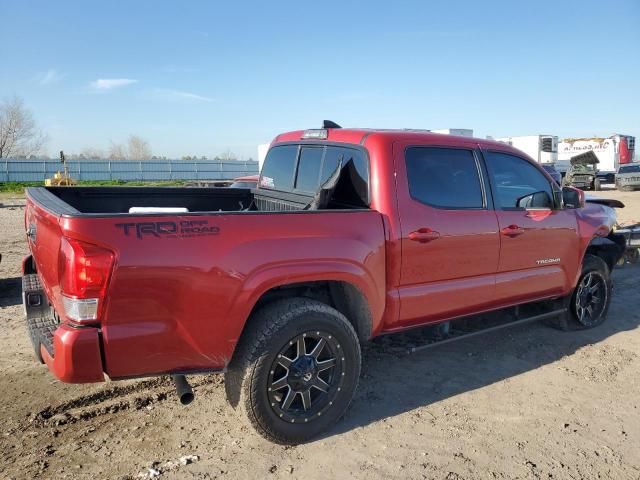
[{"x": 43, "y": 234}]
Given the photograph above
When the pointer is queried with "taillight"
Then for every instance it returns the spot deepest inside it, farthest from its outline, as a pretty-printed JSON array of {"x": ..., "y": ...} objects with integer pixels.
[{"x": 84, "y": 274}]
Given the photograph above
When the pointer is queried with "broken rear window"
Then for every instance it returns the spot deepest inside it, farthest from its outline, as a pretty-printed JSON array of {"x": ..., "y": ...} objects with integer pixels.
[{"x": 305, "y": 169}]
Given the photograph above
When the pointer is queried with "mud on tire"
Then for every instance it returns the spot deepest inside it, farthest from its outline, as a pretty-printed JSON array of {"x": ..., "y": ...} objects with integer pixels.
[{"x": 295, "y": 369}]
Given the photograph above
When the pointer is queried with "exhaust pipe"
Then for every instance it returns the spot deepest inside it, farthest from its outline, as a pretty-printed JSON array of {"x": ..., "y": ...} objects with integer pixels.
[{"x": 183, "y": 389}]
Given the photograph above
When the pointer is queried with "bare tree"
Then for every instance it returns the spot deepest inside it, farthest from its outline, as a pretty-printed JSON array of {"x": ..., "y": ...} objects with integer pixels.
[
  {"x": 117, "y": 152},
  {"x": 91, "y": 153},
  {"x": 19, "y": 135},
  {"x": 227, "y": 155},
  {"x": 139, "y": 148}
]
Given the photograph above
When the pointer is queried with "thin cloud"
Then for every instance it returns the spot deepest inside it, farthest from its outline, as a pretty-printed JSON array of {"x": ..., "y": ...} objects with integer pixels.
[
  {"x": 49, "y": 77},
  {"x": 420, "y": 34},
  {"x": 103, "y": 84},
  {"x": 179, "y": 69},
  {"x": 177, "y": 95},
  {"x": 354, "y": 96}
]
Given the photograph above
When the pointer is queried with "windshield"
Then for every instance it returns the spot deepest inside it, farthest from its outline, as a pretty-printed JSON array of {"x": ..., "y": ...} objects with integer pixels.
[
  {"x": 629, "y": 169},
  {"x": 244, "y": 184}
]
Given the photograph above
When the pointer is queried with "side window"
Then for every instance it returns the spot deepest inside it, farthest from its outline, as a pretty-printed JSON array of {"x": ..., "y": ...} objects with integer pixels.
[
  {"x": 444, "y": 177},
  {"x": 309, "y": 169},
  {"x": 278, "y": 168},
  {"x": 518, "y": 184}
]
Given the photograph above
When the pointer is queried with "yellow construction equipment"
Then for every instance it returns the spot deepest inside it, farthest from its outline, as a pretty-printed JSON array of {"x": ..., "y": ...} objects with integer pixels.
[{"x": 60, "y": 179}]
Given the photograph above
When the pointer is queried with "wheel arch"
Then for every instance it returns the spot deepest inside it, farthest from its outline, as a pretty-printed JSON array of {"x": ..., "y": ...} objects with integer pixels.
[
  {"x": 609, "y": 248},
  {"x": 342, "y": 295}
]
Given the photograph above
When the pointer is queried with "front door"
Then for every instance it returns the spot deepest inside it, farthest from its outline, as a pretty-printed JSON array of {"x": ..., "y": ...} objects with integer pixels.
[
  {"x": 450, "y": 240},
  {"x": 538, "y": 255}
]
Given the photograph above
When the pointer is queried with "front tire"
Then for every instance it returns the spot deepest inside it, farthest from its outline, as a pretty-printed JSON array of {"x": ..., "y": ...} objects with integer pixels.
[
  {"x": 596, "y": 185},
  {"x": 295, "y": 371},
  {"x": 591, "y": 298}
]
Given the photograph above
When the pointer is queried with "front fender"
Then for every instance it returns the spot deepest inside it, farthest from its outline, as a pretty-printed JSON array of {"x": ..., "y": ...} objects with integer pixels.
[{"x": 596, "y": 223}]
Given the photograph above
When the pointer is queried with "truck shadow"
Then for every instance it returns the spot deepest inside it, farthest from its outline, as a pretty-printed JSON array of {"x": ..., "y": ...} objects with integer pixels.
[
  {"x": 10, "y": 291},
  {"x": 394, "y": 382}
]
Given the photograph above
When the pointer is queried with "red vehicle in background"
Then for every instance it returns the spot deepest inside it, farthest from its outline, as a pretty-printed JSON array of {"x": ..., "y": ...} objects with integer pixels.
[
  {"x": 250, "y": 181},
  {"x": 350, "y": 234}
]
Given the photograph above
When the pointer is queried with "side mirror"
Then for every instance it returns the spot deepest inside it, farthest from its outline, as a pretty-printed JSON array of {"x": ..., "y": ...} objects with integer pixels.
[
  {"x": 572, "y": 197},
  {"x": 539, "y": 199}
]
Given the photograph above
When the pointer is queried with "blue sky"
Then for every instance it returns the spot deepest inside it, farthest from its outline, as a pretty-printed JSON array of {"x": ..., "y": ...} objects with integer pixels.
[{"x": 204, "y": 77}]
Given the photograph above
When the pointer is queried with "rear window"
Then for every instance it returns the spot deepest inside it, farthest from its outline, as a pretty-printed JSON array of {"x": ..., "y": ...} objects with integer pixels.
[
  {"x": 305, "y": 169},
  {"x": 279, "y": 167},
  {"x": 331, "y": 162},
  {"x": 308, "y": 176}
]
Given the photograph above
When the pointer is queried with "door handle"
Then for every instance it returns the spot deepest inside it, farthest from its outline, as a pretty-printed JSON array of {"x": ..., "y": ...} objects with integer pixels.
[
  {"x": 512, "y": 231},
  {"x": 424, "y": 235}
]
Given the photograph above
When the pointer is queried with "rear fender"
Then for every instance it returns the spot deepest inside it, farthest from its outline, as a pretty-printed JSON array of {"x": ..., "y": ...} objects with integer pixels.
[{"x": 280, "y": 275}]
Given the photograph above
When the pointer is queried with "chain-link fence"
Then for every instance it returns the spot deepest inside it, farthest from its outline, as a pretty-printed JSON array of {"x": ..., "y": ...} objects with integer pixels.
[{"x": 12, "y": 170}]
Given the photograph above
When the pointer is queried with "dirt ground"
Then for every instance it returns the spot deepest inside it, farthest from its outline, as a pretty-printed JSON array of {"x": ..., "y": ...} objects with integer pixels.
[{"x": 531, "y": 402}]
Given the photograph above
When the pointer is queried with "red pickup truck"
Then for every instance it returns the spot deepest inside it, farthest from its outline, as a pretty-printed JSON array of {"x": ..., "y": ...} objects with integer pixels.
[{"x": 350, "y": 234}]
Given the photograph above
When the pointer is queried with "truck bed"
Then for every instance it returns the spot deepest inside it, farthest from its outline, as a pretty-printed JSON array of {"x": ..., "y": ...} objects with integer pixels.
[
  {"x": 178, "y": 278},
  {"x": 118, "y": 200},
  {"x": 107, "y": 201}
]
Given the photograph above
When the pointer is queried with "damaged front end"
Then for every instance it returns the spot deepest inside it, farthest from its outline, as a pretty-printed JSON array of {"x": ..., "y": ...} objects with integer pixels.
[{"x": 599, "y": 216}]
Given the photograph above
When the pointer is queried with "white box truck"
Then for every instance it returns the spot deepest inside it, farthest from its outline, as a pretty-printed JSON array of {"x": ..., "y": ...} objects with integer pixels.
[
  {"x": 542, "y": 148},
  {"x": 263, "y": 148},
  {"x": 611, "y": 151},
  {"x": 460, "y": 132}
]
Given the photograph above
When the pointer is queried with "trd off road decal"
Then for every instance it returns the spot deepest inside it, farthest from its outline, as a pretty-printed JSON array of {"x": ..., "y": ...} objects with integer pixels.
[{"x": 181, "y": 229}]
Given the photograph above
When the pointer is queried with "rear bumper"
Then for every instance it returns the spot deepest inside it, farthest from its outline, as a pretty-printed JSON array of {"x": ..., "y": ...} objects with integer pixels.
[
  {"x": 76, "y": 355},
  {"x": 72, "y": 354}
]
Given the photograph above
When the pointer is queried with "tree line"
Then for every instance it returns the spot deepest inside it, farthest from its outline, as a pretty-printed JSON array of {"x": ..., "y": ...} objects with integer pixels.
[{"x": 21, "y": 138}]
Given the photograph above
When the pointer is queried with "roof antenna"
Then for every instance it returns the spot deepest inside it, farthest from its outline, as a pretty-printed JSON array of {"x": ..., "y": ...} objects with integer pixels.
[{"x": 330, "y": 124}]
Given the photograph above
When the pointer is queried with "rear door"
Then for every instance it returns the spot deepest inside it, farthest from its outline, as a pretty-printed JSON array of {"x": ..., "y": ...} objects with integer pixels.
[
  {"x": 450, "y": 241},
  {"x": 539, "y": 254}
]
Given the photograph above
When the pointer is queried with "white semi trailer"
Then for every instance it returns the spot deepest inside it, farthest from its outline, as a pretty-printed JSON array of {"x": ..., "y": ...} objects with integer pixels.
[{"x": 542, "y": 148}]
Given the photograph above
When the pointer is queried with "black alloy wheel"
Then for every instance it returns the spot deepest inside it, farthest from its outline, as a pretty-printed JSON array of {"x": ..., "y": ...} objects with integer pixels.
[
  {"x": 591, "y": 298},
  {"x": 306, "y": 376}
]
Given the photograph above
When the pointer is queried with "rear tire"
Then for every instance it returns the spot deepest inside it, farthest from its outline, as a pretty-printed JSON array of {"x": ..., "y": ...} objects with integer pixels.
[{"x": 295, "y": 370}]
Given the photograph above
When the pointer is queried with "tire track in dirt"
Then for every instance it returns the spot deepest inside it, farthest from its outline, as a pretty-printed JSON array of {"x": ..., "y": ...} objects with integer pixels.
[{"x": 112, "y": 400}]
